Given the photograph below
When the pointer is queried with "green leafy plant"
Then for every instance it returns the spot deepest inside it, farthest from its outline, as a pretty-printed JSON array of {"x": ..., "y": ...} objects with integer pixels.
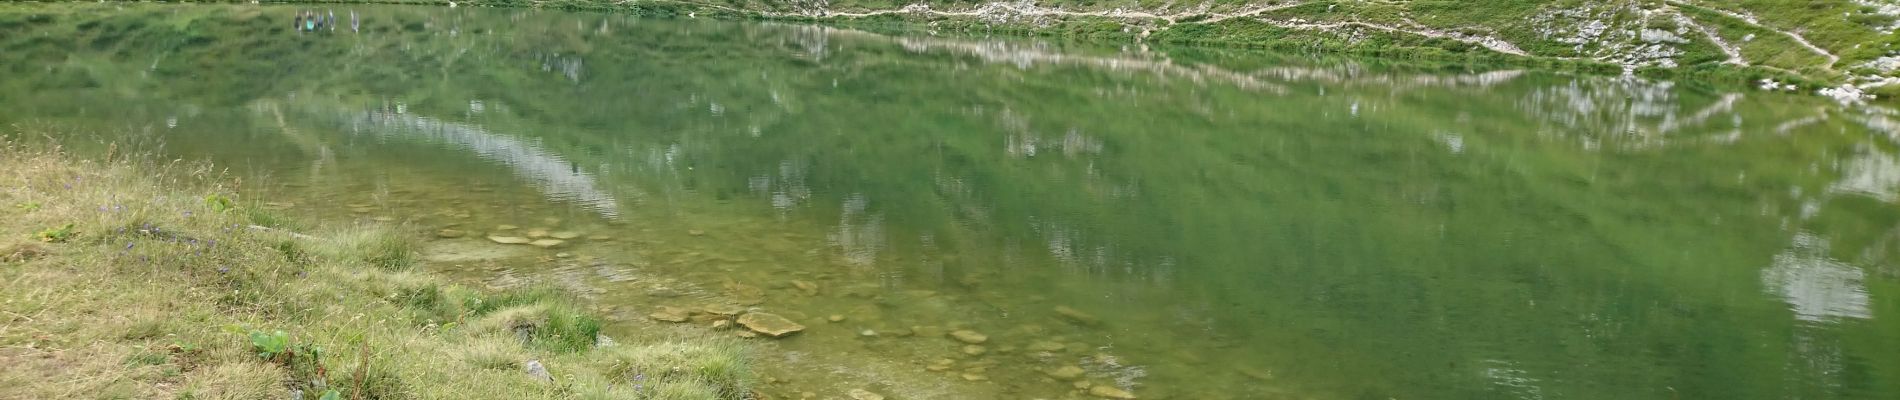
[
  {"x": 331, "y": 394},
  {"x": 180, "y": 346},
  {"x": 219, "y": 203},
  {"x": 30, "y": 206},
  {"x": 56, "y": 235},
  {"x": 271, "y": 345},
  {"x": 304, "y": 361}
]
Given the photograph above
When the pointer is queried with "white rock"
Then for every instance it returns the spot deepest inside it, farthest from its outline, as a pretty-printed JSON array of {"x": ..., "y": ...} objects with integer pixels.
[{"x": 538, "y": 372}]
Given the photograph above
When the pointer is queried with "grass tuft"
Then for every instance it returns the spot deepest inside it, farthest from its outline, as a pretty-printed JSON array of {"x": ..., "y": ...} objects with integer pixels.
[
  {"x": 234, "y": 381},
  {"x": 718, "y": 364},
  {"x": 379, "y": 246}
]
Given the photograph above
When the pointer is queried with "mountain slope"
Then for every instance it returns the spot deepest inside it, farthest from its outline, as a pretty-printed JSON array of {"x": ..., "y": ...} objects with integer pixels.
[
  {"x": 1820, "y": 41},
  {"x": 1844, "y": 48}
]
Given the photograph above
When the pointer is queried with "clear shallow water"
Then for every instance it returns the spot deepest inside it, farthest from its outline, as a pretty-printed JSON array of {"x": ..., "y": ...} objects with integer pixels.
[{"x": 1241, "y": 225}]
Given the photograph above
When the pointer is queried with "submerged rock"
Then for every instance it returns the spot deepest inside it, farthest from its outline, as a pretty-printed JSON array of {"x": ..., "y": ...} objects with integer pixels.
[
  {"x": 537, "y": 233},
  {"x": 926, "y": 331},
  {"x": 468, "y": 251},
  {"x": 547, "y": 243},
  {"x": 861, "y": 394},
  {"x": 808, "y": 287},
  {"x": 509, "y": 239},
  {"x": 723, "y": 309},
  {"x": 745, "y": 294},
  {"x": 974, "y": 350},
  {"x": 670, "y": 314},
  {"x": 769, "y": 324},
  {"x": 1066, "y": 372},
  {"x": 969, "y": 336},
  {"x": 1110, "y": 392},
  {"x": 1077, "y": 316},
  {"x": 565, "y": 235},
  {"x": 1044, "y": 345},
  {"x": 450, "y": 233}
]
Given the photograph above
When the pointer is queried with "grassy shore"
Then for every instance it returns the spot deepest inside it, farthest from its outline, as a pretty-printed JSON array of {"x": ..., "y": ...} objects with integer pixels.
[
  {"x": 1546, "y": 32},
  {"x": 129, "y": 277},
  {"x": 1686, "y": 39}
]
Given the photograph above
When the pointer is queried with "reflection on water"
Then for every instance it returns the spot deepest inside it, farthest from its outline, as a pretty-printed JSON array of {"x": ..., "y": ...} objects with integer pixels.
[
  {"x": 1818, "y": 288},
  {"x": 1179, "y": 223},
  {"x": 561, "y": 180},
  {"x": 1873, "y": 174}
]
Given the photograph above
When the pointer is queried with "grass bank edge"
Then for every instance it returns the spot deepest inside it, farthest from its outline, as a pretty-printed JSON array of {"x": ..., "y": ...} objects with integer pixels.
[
  {"x": 128, "y": 277},
  {"x": 1399, "y": 50}
]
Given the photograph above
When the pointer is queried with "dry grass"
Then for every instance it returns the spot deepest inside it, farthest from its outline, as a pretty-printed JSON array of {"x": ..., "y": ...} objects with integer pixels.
[{"x": 155, "y": 288}]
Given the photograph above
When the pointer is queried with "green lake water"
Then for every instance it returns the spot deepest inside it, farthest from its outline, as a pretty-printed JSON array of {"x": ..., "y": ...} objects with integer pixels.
[{"x": 1180, "y": 223}]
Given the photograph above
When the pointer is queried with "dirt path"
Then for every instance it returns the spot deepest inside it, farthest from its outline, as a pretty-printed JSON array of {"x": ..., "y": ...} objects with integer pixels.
[
  {"x": 1030, "y": 9},
  {"x": 1752, "y": 21},
  {"x": 1005, "y": 10},
  {"x": 1495, "y": 44},
  {"x": 1734, "y": 53}
]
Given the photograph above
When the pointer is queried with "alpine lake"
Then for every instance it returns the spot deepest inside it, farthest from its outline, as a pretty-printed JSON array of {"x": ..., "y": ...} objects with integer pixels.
[{"x": 954, "y": 217}]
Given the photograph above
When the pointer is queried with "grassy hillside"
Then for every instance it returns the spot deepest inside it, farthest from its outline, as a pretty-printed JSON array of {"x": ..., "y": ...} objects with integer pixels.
[
  {"x": 133, "y": 278},
  {"x": 1810, "y": 43},
  {"x": 1757, "y": 38}
]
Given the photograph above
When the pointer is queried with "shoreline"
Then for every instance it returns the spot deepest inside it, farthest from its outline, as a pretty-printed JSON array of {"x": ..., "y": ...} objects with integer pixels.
[
  {"x": 120, "y": 279},
  {"x": 1248, "y": 28},
  {"x": 420, "y": 203}
]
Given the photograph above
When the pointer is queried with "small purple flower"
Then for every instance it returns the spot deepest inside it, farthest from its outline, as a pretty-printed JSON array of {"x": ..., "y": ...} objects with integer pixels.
[
  {"x": 222, "y": 270},
  {"x": 128, "y": 245}
]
